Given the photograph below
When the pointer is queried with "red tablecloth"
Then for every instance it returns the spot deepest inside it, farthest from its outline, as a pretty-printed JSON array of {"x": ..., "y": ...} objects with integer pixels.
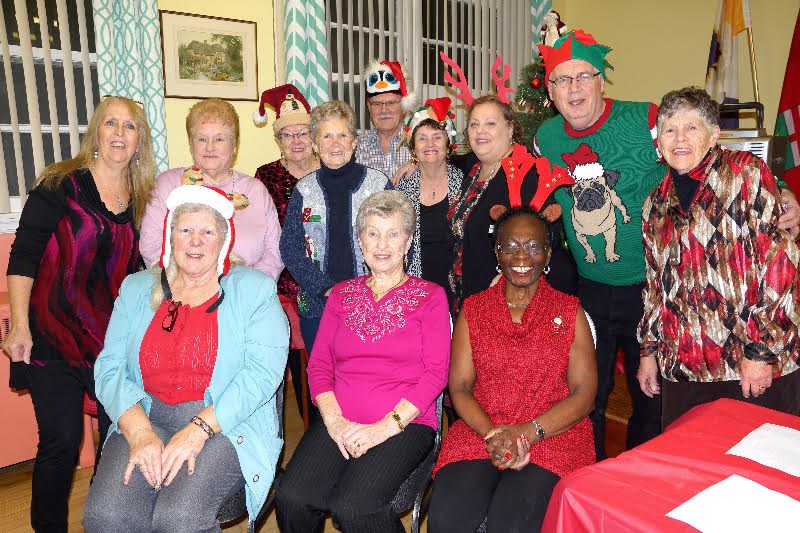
[{"x": 633, "y": 492}]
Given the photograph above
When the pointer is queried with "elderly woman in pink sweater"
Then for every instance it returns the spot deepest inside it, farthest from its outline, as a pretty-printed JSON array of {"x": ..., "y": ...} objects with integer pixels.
[
  {"x": 213, "y": 129},
  {"x": 380, "y": 359}
]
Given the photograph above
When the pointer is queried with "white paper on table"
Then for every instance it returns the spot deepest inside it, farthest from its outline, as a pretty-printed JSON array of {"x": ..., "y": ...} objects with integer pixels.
[
  {"x": 739, "y": 504},
  {"x": 771, "y": 445}
]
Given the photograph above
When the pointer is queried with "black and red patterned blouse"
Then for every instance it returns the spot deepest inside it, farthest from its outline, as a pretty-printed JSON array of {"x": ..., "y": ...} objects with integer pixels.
[
  {"x": 77, "y": 252},
  {"x": 280, "y": 184}
]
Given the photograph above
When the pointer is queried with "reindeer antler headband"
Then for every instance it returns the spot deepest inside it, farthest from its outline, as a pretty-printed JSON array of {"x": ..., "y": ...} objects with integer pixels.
[{"x": 463, "y": 87}]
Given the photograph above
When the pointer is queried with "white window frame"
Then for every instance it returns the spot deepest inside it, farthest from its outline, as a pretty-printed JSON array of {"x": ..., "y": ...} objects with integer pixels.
[{"x": 504, "y": 28}]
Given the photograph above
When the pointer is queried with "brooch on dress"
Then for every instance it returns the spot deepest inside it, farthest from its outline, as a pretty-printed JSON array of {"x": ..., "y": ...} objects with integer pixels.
[{"x": 558, "y": 324}]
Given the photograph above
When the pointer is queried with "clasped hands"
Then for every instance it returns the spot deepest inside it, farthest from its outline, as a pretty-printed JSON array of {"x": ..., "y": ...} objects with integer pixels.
[
  {"x": 160, "y": 464},
  {"x": 354, "y": 439},
  {"x": 508, "y": 447}
]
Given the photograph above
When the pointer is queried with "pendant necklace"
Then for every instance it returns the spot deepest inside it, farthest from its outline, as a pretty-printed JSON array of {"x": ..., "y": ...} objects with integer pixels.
[{"x": 120, "y": 205}]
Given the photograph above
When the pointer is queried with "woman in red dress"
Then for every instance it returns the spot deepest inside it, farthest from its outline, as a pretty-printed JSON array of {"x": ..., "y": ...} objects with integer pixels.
[{"x": 523, "y": 380}]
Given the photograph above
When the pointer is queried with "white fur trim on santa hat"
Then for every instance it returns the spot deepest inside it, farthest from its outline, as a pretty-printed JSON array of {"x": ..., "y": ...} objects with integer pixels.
[
  {"x": 198, "y": 194},
  {"x": 588, "y": 171}
]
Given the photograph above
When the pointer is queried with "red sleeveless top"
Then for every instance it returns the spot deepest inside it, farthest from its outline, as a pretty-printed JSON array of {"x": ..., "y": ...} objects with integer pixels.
[{"x": 521, "y": 371}]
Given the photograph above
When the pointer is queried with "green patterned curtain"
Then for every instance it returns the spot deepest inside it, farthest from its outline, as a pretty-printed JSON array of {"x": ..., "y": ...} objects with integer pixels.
[
  {"x": 539, "y": 8},
  {"x": 127, "y": 37},
  {"x": 307, "y": 49}
]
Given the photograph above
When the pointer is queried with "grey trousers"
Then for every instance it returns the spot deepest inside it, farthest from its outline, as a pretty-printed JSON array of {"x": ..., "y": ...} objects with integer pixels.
[{"x": 189, "y": 503}]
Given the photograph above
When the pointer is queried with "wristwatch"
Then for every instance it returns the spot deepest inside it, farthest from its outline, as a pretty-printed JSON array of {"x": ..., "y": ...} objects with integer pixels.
[{"x": 539, "y": 429}]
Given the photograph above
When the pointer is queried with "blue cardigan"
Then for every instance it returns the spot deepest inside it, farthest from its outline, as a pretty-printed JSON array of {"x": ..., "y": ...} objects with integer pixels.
[{"x": 253, "y": 342}]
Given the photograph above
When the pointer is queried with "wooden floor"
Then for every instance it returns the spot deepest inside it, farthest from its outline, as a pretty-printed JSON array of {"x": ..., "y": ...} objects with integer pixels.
[{"x": 15, "y": 481}]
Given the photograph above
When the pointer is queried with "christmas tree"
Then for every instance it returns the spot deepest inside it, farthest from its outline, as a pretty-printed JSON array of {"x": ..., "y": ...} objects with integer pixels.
[{"x": 532, "y": 100}]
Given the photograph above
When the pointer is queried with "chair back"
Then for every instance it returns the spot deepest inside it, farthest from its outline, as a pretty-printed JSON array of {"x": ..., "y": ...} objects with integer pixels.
[{"x": 411, "y": 492}]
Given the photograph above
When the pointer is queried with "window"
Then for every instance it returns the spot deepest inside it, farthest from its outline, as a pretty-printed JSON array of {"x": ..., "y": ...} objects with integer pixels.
[
  {"x": 471, "y": 32},
  {"x": 25, "y": 155}
]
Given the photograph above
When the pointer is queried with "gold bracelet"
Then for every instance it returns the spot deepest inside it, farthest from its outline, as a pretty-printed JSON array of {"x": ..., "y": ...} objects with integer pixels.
[{"x": 397, "y": 419}]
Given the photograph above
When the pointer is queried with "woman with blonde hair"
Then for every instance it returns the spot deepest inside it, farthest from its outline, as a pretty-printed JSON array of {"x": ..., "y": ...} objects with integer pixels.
[
  {"x": 212, "y": 126},
  {"x": 76, "y": 242}
]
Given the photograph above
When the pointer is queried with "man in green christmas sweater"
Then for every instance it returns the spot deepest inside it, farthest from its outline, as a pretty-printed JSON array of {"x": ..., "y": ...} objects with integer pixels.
[{"x": 609, "y": 147}]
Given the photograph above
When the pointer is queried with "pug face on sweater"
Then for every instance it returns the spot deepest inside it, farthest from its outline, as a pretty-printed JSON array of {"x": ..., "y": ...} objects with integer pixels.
[{"x": 595, "y": 202}]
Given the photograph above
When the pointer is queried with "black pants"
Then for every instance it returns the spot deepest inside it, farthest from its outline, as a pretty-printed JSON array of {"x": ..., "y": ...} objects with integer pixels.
[
  {"x": 616, "y": 312},
  {"x": 357, "y": 492},
  {"x": 466, "y": 492},
  {"x": 783, "y": 395},
  {"x": 57, "y": 394}
]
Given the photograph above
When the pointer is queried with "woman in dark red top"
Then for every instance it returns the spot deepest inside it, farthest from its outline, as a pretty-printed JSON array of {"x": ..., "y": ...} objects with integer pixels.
[
  {"x": 77, "y": 240},
  {"x": 293, "y": 135}
]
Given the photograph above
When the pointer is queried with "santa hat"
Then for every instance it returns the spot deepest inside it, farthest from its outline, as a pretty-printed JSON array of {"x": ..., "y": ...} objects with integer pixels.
[
  {"x": 289, "y": 104},
  {"x": 583, "y": 163},
  {"x": 383, "y": 77},
  {"x": 437, "y": 109},
  {"x": 199, "y": 194},
  {"x": 575, "y": 45}
]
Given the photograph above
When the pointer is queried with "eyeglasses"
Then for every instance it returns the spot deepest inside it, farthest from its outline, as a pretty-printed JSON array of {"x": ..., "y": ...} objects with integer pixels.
[
  {"x": 584, "y": 78},
  {"x": 137, "y": 102},
  {"x": 386, "y": 105},
  {"x": 531, "y": 248},
  {"x": 172, "y": 315},
  {"x": 302, "y": 135}
]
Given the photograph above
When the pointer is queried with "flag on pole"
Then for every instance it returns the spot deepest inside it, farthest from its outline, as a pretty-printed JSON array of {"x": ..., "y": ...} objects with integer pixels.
[
  {"x": 722, "y": 73},
  {"x": 788, "y": 121}
]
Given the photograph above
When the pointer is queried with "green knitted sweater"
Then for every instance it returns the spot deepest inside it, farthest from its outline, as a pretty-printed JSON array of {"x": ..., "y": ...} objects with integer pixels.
[{"x": 604, "y": 226}]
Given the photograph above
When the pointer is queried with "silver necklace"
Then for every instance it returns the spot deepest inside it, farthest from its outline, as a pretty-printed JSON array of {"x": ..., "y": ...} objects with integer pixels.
[
  {"x": 120, "y": 205},
  {"x": 516, "y": 306}
]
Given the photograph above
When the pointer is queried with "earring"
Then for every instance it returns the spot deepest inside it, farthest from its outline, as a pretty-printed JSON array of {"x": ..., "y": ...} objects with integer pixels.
[
  {"x": 546, "y": 270},
  {"x": 136, "y": 158},
  {"x": 94, "y": 156},
  {"x": 497, "y": 268},
  {"x": 405, "y": 263},
  {"x": 659, "y": 155},
  {"x": 414, "y": 160}
]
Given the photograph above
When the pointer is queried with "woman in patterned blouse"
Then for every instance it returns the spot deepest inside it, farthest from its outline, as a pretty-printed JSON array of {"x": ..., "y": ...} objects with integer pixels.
[
  {"x": 292, "y": 129},
  {"x": 720, "y": 299},
  {"x": 379, "y": 361},
  {"x": 433, "y": 185}
]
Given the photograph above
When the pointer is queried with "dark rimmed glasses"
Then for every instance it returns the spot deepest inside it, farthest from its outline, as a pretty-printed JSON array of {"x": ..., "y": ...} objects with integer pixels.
[
  {"x": 531, "y": 248},
  {"x": 584, "y": 78},
  {"x": 172, "y": 315}
]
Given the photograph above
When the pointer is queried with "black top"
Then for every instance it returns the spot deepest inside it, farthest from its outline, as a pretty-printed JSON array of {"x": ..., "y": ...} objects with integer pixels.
[{"x": 436, "y": 242}]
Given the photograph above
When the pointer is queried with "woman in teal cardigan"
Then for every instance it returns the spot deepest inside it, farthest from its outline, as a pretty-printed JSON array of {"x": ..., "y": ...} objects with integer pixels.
[{"x": 191, "y": 384}]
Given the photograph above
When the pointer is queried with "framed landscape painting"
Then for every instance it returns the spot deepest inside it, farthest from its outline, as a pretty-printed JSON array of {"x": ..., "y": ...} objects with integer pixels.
[{"x": 208, "y": 56}]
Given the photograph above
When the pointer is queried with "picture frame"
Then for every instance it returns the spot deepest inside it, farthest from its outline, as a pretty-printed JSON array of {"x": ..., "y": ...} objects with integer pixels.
[{"x": 208, "y": 56}]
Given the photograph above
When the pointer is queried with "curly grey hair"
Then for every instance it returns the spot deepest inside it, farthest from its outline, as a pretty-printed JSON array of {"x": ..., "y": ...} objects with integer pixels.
[
  {"x": 692, "y": 98},
  {"x": 332, "y": 109},
  {"x": 386, "y": 204}
]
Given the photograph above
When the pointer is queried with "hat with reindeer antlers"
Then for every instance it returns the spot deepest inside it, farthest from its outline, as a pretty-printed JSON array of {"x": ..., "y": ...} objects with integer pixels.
[
  {"x": 388, "y": 77},
  {"x": 575, "y": 45},
  {"x": 289, "y": 104},
  {"x": 463, "y": 86}
]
